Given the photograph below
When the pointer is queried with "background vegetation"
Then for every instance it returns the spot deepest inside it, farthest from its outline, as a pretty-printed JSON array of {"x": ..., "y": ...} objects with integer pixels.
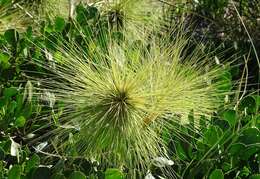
[{"x": 228, "y": 148}]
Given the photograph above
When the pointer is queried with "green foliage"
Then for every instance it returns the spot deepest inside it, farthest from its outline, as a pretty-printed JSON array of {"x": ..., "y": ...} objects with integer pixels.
[
  {"x": 14, "y": 172},
  {"x": 59, "y": 24},
  {"x": 12, "y": 37},
  {"x": 111, "y": 173},
  {"x": 77, "y": 175},
  {"x": 217, "y": 174}
]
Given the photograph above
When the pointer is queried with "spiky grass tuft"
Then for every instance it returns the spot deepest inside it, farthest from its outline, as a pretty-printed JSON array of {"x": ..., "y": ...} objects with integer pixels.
[
  {"x": 117, "y": 105},
  {"x": 135, "y": 18},
  {"x": 118, "y": 102}
]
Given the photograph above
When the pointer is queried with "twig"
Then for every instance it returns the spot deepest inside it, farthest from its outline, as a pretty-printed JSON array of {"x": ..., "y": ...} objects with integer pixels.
[
  {"x": 250, "y": 39},
  {"x": 245, "y": 72}
]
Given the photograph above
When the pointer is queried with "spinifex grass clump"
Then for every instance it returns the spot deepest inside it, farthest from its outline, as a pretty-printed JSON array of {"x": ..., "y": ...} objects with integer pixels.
[
  {"x": 135, "y": 18},
  {"x": 116, "y": 105},
  {"x": 118, "y": 102}
]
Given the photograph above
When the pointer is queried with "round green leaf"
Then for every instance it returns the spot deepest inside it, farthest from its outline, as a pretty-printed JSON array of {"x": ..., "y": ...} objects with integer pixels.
[
  {"x": 248, "y": 103},
  {"x": 250, "y": 136},
  {"x": 113, "y": 173},
  {"x": 251, "y": 150},
  {"x": 91, "y": 12},
  {"x": 11, "y": 36},
  {"x": 10, "y": 92},
  {"x": 236, "y": 148},
  {"x": 230, "y": 117},
  {"x": 77, "y": 175},
  {"x": 59, "y": 24},
  {"x": 216, "y": 174},
  {"x": 14, "y": 172},
  {"x": 4, "y": 61},
  {"x": 211, "y": 136},
  {"x": 41, "y": 173},
  {"x": 20, "y": 121},
  {"x": 33, "y": 162}
]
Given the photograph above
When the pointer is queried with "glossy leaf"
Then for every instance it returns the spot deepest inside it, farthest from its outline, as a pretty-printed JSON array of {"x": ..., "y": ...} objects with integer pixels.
[
  {"x": 230, "y": 117},
  {"x": 113, "y": 173},
  {"x": 20, "y": 121},
  {"x": 59, "y": 24},
  {"x": 14, "y": 172},
  {"x": 216, "y": 174},
  {"x": 11, "y": 36}
]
